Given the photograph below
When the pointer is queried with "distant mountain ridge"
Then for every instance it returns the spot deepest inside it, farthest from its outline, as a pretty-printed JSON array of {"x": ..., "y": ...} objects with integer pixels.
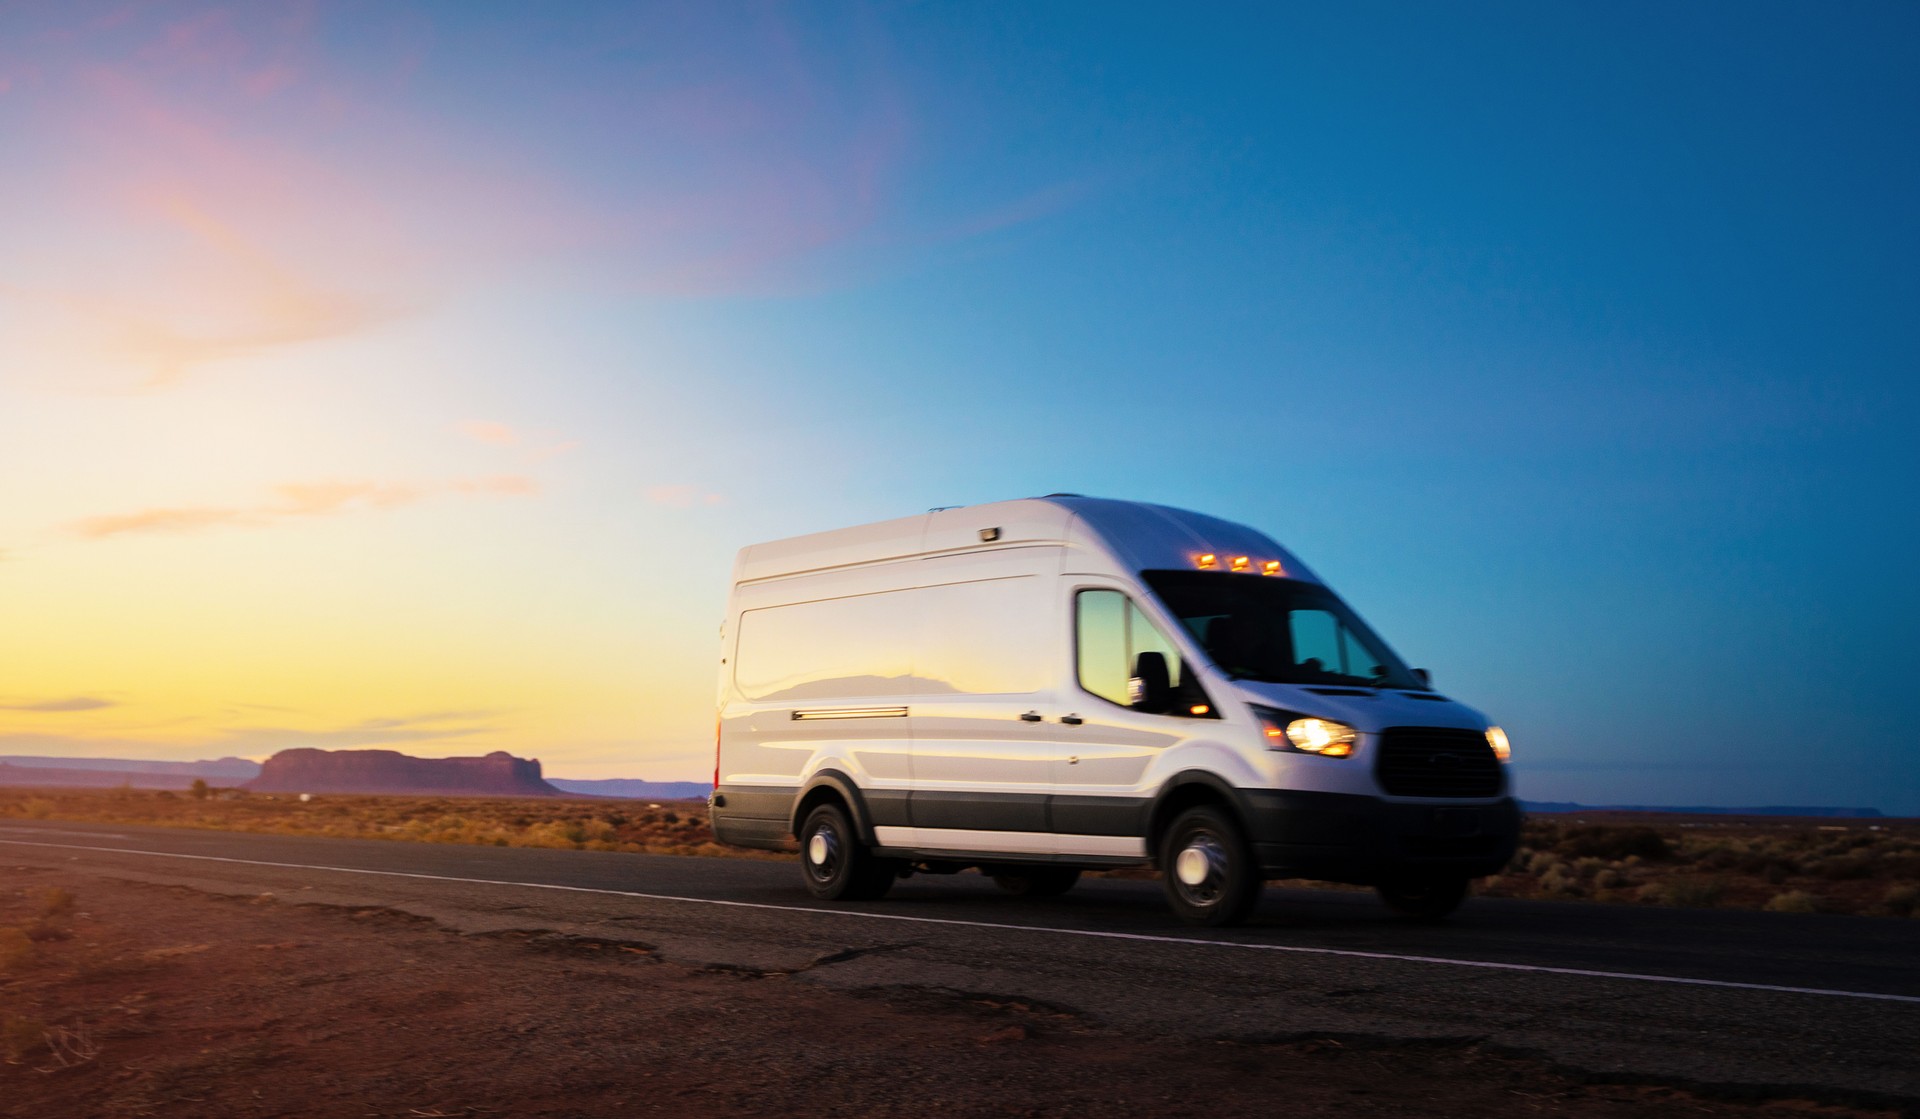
[
  {"x": 223, "y": 767},
  {"x": 306, "y": 770},
  {"x": 375, "y": 777}
]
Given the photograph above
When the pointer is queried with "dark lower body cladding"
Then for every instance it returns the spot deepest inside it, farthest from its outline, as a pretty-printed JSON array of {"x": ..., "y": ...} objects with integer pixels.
[
  {"x": 1343, "y": 837},
  {"x": 1333, "y": 837}
]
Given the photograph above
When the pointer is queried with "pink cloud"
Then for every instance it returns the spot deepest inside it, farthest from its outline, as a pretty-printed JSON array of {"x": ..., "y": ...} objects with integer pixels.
[
  {"x": 752, "y": 154},
  {"x": 488, "y": 431},
  {"x": 296, "y": 500},
  {"x": 157, "y": 520}
]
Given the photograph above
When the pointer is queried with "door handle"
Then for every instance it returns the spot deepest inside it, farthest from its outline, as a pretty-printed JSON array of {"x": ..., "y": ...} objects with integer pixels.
[
  {"x": 1030, "y": 717},
  {"x": 1072, "y": 720}
]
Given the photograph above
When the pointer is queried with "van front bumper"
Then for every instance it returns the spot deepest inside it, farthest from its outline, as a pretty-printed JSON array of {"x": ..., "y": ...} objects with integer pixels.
[{"x": 1364, "y": 840}]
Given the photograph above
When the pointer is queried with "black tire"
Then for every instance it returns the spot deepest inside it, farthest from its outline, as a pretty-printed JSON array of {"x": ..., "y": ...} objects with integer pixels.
[
  {"x": 1220, "y": 879},
  {"x": 1038, "y": 882},
  {"x": 1424, "y": 897},
  {"x": 839, "y": 867}
]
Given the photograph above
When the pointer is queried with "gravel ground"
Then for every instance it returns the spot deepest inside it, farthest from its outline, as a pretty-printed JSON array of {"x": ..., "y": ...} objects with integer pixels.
[{"x": 120, "y": 998}]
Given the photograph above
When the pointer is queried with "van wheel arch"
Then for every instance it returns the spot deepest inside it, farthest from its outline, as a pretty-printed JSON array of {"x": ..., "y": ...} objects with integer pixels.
[
  {"x": 1183, "y": 791},
  {"x": 832, "y": 787}
]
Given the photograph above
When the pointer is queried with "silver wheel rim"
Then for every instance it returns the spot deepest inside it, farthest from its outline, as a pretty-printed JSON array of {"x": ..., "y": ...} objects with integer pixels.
[
  {"x": 823, "y": 853},
  {"x": 1201, "y": 869}
]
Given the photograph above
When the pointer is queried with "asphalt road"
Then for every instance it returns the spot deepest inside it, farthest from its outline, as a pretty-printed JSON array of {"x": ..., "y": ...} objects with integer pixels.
[{"x": 1829, "y": 1005}]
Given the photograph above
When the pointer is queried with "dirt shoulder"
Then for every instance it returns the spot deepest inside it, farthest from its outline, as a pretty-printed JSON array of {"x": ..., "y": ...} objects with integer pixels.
[{"x": 127, "y": 999}]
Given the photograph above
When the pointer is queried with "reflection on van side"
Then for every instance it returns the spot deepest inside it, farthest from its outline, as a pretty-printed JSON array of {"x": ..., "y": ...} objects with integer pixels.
[{"x": 1040, "y": 687}]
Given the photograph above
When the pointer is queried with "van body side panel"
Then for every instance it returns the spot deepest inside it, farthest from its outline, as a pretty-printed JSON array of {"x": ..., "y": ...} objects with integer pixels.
[
  {"x": 985, "y": 655},
  {"x": 818, "y": 681}
]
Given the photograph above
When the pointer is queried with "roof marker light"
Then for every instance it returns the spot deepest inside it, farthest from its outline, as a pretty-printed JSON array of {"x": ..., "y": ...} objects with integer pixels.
[
  {"x": 1207, "y": 560},
  {"x": 1240, "y": 563},
  {"x": 1271, "y": 567}
]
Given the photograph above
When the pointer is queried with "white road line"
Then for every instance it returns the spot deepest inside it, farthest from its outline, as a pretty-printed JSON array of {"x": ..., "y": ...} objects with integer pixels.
[{"x": 1092, "y": 933}]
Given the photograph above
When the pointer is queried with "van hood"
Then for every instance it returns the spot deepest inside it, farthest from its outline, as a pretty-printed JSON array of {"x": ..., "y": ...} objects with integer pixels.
[{"x": 1368, "y": 710}]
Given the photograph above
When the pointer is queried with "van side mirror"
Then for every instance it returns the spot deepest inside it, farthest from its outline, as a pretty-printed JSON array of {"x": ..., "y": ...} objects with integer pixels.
[
  {"x": 1150, "y": 689},
  {"x": 1425, "y": 677}
]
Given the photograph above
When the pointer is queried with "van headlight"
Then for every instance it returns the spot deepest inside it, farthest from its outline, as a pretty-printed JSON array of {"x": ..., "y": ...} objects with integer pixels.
[
  {"x": 1287, "y": 731},
  {"x": 1497, "y": 739}
]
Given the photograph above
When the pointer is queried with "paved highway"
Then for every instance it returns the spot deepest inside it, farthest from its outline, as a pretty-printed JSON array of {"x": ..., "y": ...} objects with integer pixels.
[{"x": 1829, "y": 1004}]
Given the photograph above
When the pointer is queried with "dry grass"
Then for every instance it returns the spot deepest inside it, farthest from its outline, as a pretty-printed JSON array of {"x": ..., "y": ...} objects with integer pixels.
[
  {"x": 659, "y": 828},
  {"x": 1790, "y": 866}
]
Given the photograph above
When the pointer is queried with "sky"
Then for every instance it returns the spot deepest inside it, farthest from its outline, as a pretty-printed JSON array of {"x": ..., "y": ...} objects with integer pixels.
[{"x": 407, "y": 375}]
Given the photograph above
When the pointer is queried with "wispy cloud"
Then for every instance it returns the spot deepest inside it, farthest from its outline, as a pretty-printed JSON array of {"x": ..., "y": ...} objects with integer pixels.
[
  {"x": 293, "y": 501},
  {"x": 682, "y": 497},
  {"x": 226, "y": 298},
  {"x": 68, "y": 703},
  {"x": 490, "y": 431}
]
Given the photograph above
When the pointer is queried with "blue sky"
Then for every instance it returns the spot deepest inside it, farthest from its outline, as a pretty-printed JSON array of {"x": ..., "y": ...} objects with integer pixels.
[{"x": 1574, "y": 346}]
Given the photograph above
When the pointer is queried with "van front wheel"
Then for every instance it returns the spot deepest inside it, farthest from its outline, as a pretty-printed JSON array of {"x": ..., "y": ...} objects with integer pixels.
[
  {"x": 1209, "y": 869},
  {"x": 835, "y": 865}
]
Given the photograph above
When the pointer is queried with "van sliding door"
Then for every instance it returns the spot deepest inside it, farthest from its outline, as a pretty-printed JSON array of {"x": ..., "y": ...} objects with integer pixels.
[{"x": 984, "y": 667}]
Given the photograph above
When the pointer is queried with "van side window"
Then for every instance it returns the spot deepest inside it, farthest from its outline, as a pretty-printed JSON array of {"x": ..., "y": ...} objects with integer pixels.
[{"x": 1112, "y": 632}]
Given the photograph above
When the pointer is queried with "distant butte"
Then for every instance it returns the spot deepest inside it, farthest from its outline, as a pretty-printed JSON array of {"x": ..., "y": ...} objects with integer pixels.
[{"x": 388, "y": 771}]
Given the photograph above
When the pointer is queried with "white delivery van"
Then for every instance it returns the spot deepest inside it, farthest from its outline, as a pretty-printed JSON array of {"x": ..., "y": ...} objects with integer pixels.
[{"x": 1040, "y": 687}]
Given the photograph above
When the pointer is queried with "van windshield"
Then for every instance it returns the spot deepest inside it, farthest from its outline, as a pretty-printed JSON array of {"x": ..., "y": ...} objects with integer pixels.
[{"x": 1281, "y": 630}]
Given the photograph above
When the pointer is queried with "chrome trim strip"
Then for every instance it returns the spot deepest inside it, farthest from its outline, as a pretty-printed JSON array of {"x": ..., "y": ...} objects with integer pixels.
[{"x": 852, "y": 713}]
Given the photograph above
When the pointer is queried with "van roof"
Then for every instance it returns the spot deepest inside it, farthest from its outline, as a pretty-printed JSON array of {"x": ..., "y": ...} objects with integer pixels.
[{"x": 1131, "y": 535}]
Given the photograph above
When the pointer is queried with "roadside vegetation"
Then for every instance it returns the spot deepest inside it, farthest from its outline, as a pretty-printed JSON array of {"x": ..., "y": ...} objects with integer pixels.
[
  {"x": 1865, "y": 867},
  {"x": 657, "y": 828},
  {"x": 1869, "y": 867}
]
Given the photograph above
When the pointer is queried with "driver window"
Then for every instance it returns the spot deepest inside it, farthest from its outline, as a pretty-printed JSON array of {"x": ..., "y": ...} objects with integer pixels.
[
  {"x": 1111, "y": 633},
  {"x": 1316, "y": 642}
]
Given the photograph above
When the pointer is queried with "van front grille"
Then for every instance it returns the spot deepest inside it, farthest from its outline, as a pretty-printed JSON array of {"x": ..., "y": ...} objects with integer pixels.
[{"x": 1436, "y": 762}]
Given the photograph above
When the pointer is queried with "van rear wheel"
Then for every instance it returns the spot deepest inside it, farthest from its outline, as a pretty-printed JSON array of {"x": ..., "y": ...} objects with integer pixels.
[
  {"x": 835, "y": 864},
  {"x": 1038, "y": 882},
  {"x": 1424, "y": 897},
  {"x": 1209, "y": 869}
]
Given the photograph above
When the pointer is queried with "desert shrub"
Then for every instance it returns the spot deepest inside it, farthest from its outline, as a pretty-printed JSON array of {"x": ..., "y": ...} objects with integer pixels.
[
  {"x": 1903, "y": 901},
  {"x": 1607, "y": 880},
  {"x": 1602, "y": 842},
  {"x": 1559, "y": 879},
  {"x": 1793, "y": 901},
  {"x": 56, "y": 902},
  {"x": 16, "y": 948},
  {"x": 1843, "y": 868},
  {"x": 1542, "y": 862},
  {"x": 1688, "y": 893},
  {"x": 1698, "y": 893}
]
